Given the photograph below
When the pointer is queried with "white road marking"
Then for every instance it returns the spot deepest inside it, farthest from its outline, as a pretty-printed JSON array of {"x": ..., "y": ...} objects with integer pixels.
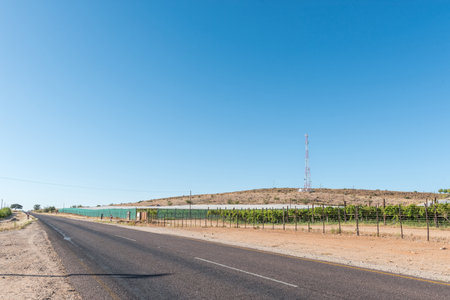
[
  {"x": 66, "y": 237},
  {"x": 125, "y": 238},
  {"x": 246, "y": 272}
]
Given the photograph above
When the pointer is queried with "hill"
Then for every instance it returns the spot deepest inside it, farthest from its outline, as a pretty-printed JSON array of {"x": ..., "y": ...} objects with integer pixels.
[{"x": 293, "y": 196}]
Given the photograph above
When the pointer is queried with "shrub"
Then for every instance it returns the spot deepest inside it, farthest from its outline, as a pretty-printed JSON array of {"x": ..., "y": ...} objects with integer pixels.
[{"x": 4, "y": 212}]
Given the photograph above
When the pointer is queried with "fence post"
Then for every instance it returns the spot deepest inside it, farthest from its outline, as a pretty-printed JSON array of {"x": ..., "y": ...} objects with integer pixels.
[
  {"x": 384, "y": 212},
  {"x": 378, "y": 223},
  {"x": 223, "y": 218},
  {"x": 436, "y": 223},
  {"x": 312, "y": 215},
  {"x": 237, "y": 218},
  {"x": 263, "y": 217},
  {"x": 231, "y": 217},
  {"x": 345, "y": 211},
  {"x": 323, "y": 218},
  {"x": 309, "y": 219},
  {"x": 210, "y": 218},
  {"x": 254, "y": 218},
  {"x": 295, "y": 216},
  {"x": 428, "y": 222},
  {"x": 245, "y": 221},
  {"x": 357, "y": 220},
  {"x": 400, "y": 218},
  {"x": 339, "y": 219},
  {"x": 284, "y": 220},
  {"x": 164, "y": 221}
]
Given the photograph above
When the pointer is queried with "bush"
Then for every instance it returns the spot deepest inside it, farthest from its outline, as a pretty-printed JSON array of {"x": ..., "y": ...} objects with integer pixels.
[
  {"x": 49, "y": 209},
  {"x": 4, "y": 212}
]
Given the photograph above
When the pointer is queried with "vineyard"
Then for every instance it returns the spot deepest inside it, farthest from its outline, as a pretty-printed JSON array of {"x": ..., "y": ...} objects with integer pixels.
[{"x": 438, "y": 215}]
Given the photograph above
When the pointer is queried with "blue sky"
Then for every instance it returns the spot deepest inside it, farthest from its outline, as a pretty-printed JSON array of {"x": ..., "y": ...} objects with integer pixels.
[{"x": 121, "y": 101}]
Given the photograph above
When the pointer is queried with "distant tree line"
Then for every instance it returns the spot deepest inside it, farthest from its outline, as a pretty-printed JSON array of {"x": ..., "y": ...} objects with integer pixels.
[
  {"x": 37, "y": 208},
  {"x": 445, "y": 191}
]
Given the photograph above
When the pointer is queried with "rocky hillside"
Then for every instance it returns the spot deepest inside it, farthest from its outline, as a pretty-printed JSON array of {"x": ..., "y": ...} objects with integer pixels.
[{"x": 292, "y": 195}]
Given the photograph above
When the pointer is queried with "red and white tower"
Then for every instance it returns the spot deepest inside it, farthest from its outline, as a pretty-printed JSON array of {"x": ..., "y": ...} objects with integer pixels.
[{"x": 307, "y": 186}]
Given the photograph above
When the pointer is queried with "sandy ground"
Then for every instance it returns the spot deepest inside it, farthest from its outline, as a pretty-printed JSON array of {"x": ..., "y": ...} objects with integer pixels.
[
  {"x": 412, "y": 255},
  {"x": 15, "y": 221},
  {"x": 29, "y": 266}
]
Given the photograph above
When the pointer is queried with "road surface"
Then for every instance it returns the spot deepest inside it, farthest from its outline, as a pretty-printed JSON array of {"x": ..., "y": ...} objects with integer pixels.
[{"x": 110, "y": 262}]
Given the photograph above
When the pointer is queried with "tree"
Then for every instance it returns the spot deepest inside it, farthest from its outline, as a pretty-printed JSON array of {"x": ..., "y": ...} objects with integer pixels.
[
  {"x": 16, "y": 206},
  {"x": 49, "y": 209},
  {"x": 37, "y": 207}
]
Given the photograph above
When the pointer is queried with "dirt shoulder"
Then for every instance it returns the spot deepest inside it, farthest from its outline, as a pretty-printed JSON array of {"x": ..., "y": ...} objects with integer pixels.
[
  {"x": 17, "y": 220},
  {"x": 412, "y": 256},
  {"x": 30, "y": 268}
]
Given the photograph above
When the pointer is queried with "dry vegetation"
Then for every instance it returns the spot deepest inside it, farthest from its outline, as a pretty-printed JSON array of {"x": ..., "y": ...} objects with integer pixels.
[{"x": 292, "y": 195}]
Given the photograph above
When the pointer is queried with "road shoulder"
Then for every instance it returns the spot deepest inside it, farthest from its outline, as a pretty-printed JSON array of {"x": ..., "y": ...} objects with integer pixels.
[{"x": 30, "y": 268}]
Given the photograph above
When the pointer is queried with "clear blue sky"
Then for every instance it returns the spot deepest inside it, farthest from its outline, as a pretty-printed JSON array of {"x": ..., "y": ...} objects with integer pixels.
[{"x": 143, "y": 99}]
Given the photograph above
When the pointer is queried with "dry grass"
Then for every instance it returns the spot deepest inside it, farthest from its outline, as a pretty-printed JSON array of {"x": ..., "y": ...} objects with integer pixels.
[{"x": 292, "y": 195}]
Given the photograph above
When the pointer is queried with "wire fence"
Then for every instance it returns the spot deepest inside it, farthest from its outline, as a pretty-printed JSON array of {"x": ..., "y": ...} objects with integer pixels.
[
  {"x": 335, "y": 219},
  {"x": 332, "y": 219}
]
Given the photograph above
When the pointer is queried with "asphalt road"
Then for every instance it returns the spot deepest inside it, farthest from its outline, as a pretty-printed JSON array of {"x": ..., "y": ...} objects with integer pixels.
[{"x": 110, "y": 262}]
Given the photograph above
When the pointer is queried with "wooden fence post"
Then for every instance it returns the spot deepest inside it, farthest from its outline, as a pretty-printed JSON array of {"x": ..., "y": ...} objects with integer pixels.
[
  {"x": 357, "y": 220},
  {"x": 384, "y": 212},
  {"x": 284, "y": 219}
]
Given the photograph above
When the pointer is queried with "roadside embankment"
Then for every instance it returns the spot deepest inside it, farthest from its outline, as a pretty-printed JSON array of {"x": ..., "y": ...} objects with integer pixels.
[
  {"x": 17, "y": 220},
  {"x": 29, "y": 266}
]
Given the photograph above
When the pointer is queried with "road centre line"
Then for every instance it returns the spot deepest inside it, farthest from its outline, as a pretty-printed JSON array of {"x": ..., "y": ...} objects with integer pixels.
[
  {"x": 246, "y": 272},
  {"x": 125, "y": 237}
]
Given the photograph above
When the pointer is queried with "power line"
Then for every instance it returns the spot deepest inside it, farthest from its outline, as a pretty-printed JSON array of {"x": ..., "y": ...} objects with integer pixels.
[{"x": 83, "y": 186}]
